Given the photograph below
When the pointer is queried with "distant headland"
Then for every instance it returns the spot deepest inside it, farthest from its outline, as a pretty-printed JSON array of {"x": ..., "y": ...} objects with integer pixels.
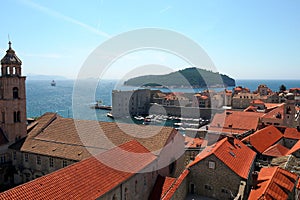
[{"x": 189, "y": 77}]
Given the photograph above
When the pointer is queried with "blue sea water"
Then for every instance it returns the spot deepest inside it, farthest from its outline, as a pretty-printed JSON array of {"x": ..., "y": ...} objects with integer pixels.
[{"x": 42, "y": 97}]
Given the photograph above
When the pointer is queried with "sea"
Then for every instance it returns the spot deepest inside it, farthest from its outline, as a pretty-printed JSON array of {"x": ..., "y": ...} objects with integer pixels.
[{"x": 42, "y": 97}]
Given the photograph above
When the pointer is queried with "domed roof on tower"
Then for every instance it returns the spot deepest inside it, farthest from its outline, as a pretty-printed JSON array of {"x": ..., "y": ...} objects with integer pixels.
[{"x": 10, "y": 57}]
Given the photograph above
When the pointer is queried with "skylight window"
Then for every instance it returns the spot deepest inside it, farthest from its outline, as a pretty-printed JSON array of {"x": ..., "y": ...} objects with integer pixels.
[{"x": 231, "y": 153}]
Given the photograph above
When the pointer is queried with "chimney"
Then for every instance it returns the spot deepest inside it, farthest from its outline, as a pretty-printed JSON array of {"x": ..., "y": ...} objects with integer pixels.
[
  {"x": 298, "y": 128},
  {"x": 231, "y": 140},
  {"x": 254, "y": 180}
]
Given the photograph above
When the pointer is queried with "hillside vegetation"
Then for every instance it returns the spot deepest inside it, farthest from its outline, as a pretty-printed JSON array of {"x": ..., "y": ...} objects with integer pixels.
[{"x": 189, "y": 77}]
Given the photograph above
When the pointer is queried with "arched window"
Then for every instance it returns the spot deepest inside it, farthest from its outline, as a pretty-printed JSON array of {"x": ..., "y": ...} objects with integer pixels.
[
  {"x": 135, "y": 186},
  {"x": 126, "y": 194},
  {"x": 15, "y": 93},
  {"x": 17, "y": 117},
  {"x": 114, "y": 197}
]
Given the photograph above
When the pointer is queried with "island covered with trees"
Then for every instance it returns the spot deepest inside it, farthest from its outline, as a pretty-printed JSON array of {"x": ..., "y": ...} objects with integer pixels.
[{"x": 189, "y": 77}]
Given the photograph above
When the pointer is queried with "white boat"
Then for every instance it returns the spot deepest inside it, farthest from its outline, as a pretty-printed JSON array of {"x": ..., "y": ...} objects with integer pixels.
[{"x": 53, "y": 83}]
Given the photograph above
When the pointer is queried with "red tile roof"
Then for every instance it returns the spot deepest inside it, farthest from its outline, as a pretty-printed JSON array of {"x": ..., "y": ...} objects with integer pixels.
[
  {"x": 276, "y": 150},
  {"x": 235, "y": 121},
  {"x": 176, "y": 184},
  {"x": 273, "y": 113},
  {"x": 87, "y": 179},
  {"x": 251, "y": 109},
  {"x": 291, "y": 133},
  {"x": 258, "y": 101},
  {"x": 264, "y": 138},
  {"x": 230, "y": 155},
  {"x": 194, "y": 142},
  {"x": 76, "y": 139},
  {"x": 295, "y": 148},
  {"x": 161, "y": 186},
  {"x": 274, "y": 183}
]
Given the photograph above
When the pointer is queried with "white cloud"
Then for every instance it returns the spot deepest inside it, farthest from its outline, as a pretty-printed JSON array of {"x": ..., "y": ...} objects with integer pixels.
[
  {"x": 53, "y": 13},
  {"x": 165, "y": 9}
]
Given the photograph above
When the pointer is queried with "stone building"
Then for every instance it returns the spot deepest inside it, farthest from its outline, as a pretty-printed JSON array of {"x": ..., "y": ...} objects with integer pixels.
[
  {"x": 129, "y": 103},
  {"x": 12, "y": 108},
  {"x": 124, "y": 172},
  {"x": 53, "y": 142},
  {"x": 217, "y": 171}
]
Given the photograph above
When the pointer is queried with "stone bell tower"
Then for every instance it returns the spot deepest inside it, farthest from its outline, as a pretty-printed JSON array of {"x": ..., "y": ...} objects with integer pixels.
[{"x": 12, "y": 98}]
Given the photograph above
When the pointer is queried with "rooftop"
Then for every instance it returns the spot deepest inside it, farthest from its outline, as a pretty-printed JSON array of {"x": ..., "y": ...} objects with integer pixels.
[
  {"x": 231, "y": 152},
  {"x": 235, "y": 122},
  {"x": 87, "y": 179},
  {"x": 72, "y": 139},
  {"x": 273, "y": 183},
  {"x": 264, "y": 138}
]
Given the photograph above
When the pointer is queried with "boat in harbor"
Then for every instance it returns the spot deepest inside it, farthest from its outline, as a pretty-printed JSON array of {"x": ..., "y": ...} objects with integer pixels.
[
  {"x": 99, "y": 105},
  {"x": 53, "y": 83},
  {"x": 110, "y": 115}
]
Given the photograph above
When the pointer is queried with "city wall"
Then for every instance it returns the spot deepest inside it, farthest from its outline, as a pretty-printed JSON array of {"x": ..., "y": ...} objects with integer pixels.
[{"x": 188, "y": 112}]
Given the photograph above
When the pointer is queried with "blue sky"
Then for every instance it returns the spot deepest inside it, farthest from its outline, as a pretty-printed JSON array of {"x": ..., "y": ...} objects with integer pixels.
[{"x": 245, "y": 39}]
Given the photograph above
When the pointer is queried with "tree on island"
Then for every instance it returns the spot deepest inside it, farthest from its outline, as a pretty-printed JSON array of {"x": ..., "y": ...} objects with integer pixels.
[{"x": 282, "y": 88}]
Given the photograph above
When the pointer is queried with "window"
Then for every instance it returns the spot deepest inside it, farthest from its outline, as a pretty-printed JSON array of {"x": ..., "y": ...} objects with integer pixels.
[
  {"x": 126, "y": 194},
  {"x": 2, "y": 159},
  {"x": 114, "y": 197},
  {"x": 64, "y": 163},
  {"x": 17, "y": 117},
  {"x": 135, "y": 186},
  {"x": 3, "y": 117},
  {"x": 51, "y": 162},
  {"x": 26, "y": 157},
  {"x": 211, "y": 165},
  {"x": 38, "y": 160},
  {"x": 15, "y": 93},
  {"x": 223, "y": 190},
  {"x": 145, "y": 181},
  {"x": 15, "y": 155},
  {"x": 208, "y": 187}
]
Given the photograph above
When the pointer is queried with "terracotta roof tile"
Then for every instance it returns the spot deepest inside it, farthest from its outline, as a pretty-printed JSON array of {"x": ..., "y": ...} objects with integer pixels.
[
  {"x": 276, "y": 150},
  {"x": 87, "y": 179},
  {"x": 273, "y": 183},
  {"x": 295, "y": 148},
  {"x": 273, "y": 113},
  {"x": 194, "y": 142},
  {"x": 291, "y": 133},
  {"x": 230, "y": 155},
  {"x": 264, "y": 138},
  {"x": 176, "y": 184},
  {"x": 258, "y": 101},
  {"x": 77, "y": 139},
  {"x": 165, "y": 187},
  {"x": 161, "y": 186},
  {"x": 235, "y": 121}
]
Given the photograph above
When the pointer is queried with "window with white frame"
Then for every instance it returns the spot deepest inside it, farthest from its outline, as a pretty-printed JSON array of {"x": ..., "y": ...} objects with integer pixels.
[{"x": 211, "y": 164}]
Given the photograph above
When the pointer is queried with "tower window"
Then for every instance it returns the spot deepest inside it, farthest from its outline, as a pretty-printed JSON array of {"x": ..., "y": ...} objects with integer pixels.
[
  {"x": 3, "y": 117},
  {"x": 17, "y": 117},
  {"x": 15, "y": 93}
]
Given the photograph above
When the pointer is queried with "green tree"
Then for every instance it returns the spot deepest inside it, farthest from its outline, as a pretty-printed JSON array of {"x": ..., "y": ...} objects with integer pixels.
[{"x": 282, "y": 88}]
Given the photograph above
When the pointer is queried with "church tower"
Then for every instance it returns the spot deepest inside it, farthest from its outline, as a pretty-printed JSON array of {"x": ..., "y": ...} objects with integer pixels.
[{"x": 12, "y": 98}]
